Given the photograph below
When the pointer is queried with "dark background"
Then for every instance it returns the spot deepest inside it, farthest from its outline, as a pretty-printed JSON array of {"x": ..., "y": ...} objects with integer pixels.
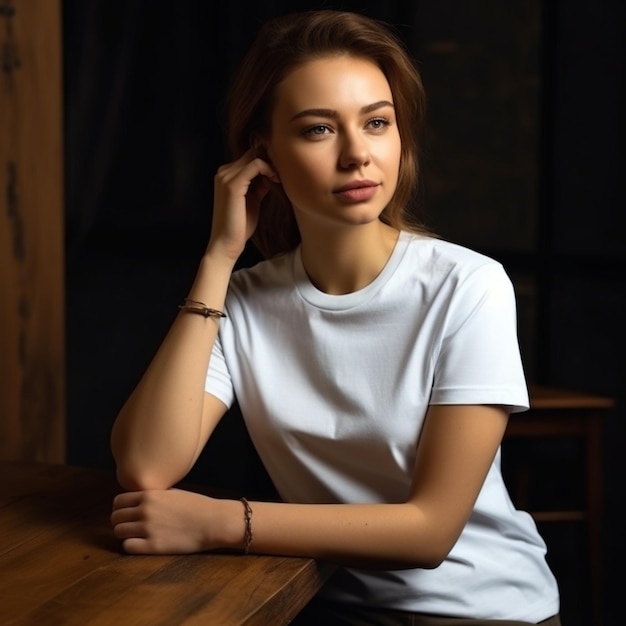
[{"x": 523, "y": 160}]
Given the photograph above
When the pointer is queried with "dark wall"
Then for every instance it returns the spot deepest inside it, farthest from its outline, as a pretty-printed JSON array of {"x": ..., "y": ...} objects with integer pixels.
[
  {"x": 582, "y": 256},
  {"x": 145, "y": 83},
  {"x": 523, "y": 160}
]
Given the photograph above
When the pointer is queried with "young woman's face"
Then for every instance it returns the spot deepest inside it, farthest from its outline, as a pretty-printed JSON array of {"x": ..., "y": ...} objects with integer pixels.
[{"x": 335, "y": 143}]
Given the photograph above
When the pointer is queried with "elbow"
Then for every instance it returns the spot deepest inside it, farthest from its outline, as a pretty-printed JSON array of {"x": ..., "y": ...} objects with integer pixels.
[
  {"x": 128, "y": 475},
  {"x": 433, "y": 559},
  {"x": 430, "y": 557},
  {"x": 438, "y": 548},
  {"x": 434, "y": 550},
  {"x": 130, "y": 481},
  {"x": 135, "y": 479},
  {"x": 133, "y": 473},
  {"x": 438, "y": 532},
  {"x": 136, "y": 473},
  {"x": 421, "y": 557}
]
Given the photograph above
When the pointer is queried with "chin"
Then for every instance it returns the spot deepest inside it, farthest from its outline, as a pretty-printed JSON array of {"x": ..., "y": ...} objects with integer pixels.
[
  {"x": 355, "y": 215},
  {"x": 363, "y": 215}
]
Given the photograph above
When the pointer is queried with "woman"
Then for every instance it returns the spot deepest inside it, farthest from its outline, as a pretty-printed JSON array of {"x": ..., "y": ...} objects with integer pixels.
[{"x": 375, "y": 365}]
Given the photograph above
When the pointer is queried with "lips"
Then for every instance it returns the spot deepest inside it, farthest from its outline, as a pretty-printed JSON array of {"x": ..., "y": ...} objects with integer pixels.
[{"x": 357, "y": 191}]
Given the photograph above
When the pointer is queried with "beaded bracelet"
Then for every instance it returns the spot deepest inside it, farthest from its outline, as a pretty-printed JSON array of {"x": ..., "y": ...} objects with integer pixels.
[
  {"x": 247, "y": 516},
  {"x": 194, "y": 306}
]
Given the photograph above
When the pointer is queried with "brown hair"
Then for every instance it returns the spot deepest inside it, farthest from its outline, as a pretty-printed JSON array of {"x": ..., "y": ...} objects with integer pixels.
[{"x": 286, "y": 42}]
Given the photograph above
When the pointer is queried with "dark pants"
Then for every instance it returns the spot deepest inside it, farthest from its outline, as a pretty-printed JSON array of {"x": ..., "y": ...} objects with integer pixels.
[{"x": 335, "y": 614}]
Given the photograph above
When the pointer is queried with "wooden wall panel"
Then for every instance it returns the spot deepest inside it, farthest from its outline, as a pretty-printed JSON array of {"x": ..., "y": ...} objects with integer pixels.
[{"x": 32, "y": 327}]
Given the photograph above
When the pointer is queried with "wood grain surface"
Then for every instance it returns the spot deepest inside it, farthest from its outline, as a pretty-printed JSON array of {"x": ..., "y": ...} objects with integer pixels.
[{"x": 60, "y": 564}]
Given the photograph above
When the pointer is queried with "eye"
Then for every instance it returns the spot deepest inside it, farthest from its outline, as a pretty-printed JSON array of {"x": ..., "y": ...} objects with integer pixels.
[
  {"x": 378, "y": 123},
  {"x": 316, "y": 131}
]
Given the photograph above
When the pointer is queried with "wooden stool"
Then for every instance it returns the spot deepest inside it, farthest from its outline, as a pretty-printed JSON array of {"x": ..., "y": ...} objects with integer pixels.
[{"x": 565, "y": 413}]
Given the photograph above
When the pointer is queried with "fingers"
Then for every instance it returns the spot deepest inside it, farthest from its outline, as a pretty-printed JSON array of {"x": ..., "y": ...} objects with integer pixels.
[
  {"x": 128, "y": 530},
  {"x": 259, "y": 188},
  {"x": 159, "y": 521},
  {"x": 238, "y": 175},
  {"x": 128, "y": 524},
  {"x": 137, "y": 545},
  {"x": 126, "y": 499},
  {"x": 266, "y": 169},
  {"x": 240, "y": 187},
  {"x": 125, "y": 515}
]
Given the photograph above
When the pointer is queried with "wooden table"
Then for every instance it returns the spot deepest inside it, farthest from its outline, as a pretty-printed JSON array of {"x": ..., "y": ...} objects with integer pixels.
[{"x": 60, "y": 564}]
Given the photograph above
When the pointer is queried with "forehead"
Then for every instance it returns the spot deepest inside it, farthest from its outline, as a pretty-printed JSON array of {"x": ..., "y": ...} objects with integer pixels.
[{"x": 333, "y": 82}]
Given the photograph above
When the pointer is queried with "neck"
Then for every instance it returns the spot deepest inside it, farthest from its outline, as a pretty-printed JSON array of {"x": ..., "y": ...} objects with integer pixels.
[{"x": 347, "y": 260}]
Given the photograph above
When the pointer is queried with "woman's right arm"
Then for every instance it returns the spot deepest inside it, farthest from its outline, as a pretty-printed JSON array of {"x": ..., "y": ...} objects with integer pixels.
[{"x": 163, "y": 426}]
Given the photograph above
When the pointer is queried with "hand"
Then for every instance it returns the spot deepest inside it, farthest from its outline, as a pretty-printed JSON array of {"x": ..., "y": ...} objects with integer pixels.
[
  {"x": 169, "y": 521},
  {"x": 239, "y": 188}
]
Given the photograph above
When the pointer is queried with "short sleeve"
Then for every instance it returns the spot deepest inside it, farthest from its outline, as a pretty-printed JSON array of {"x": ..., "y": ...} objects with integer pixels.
[
  {"x": 218, "y": 381},
  {"x": 479, "y": 360}
]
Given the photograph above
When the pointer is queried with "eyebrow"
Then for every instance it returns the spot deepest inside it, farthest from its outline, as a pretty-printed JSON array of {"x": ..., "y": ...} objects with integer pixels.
[{"x": 333, "y": 114}]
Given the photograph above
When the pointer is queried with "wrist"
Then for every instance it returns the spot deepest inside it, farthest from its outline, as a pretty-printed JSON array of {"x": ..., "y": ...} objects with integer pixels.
[
  {"x": 248, "y": 535},
  {"x": 224, "y": 258},
  {"x": 211, "y": 282},
  {"x": 236, "y": 530}
]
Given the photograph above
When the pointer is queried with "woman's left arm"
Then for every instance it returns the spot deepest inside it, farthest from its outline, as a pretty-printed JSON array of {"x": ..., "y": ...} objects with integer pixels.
[{"x": 455, "y": 451}]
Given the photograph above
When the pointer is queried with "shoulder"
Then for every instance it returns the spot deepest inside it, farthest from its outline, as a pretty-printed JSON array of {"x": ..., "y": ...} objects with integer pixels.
[
  {"x": 446, "y": 252},
  {"x": 444, "y": 261},
  {"x": 276, "y": 269},
  {"x": 262, "y": 286}
]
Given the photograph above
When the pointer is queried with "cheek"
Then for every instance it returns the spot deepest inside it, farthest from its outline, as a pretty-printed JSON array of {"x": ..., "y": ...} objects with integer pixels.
[
  {"x": 301, "y": 170},
  {"x": 390, "y": 152},
  {"x": 300, "y": 187},
  {"x": 304, "y": 187}
]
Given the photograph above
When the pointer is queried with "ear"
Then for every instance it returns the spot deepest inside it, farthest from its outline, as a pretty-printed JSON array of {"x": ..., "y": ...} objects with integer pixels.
[
  {"x": 259, "y": 149},
  {"x": 257, "y": 145},
  {"x": 274, "y": 178}
]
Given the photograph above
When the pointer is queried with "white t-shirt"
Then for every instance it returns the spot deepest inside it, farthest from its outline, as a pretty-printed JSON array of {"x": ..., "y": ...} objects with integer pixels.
[{"x": 334, "y": 390}]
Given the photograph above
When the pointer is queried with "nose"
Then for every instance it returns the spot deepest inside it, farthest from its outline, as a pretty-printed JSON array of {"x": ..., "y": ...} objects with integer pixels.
[{"x": 355, "y": 151}]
